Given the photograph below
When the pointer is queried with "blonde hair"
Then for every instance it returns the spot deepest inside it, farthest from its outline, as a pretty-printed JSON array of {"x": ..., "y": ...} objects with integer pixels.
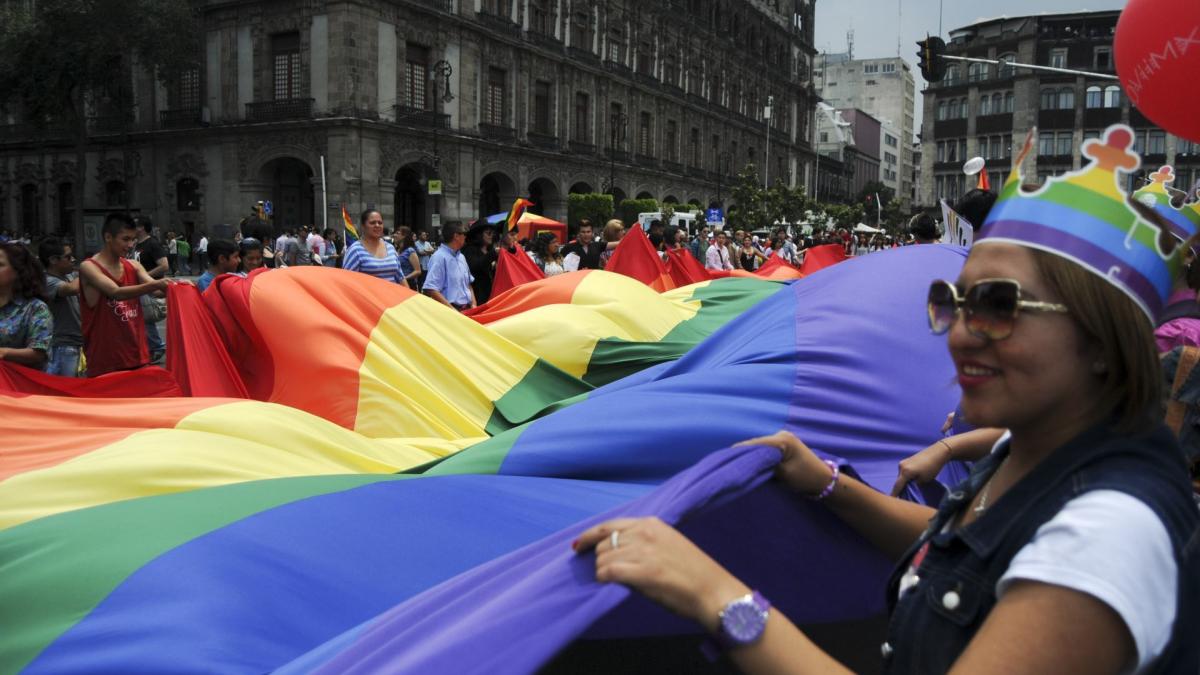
[
  {"x": 612, "y": 229},
  {"x": 1132, "y": 386}
]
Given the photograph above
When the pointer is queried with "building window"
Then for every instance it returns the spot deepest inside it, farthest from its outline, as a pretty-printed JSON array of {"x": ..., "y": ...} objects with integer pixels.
[
  {"x": 985, "y": 105},
  {"x": 1112, "y": 96},
  {"x": 672, "y": 142},
  {"x": 1157, "y": 144},
  {"x": 889, "y": 67},
  {"x": 645, "y": 134},
  {"x": 1006, "y": 68},
  {"x": 951, "y": 151},
  {"x": 871, "y": 68},
  {"x": 501, "y": 8},
  {"x": 984, "y": 148},
  {"x": 977, "y": 72},
  {"x": 416, "y": 77},
  {"x": 187, "y": 195},
  {"x": 645, "y": 58},
  {"x": 541, "y": 107},
  {"x": 941, "y": 110},
  {"x": 581, "y": 30},
  {"x": 583, "y": 128},
  {"x": 1094, "y": 97},
  {"x": 1066, "y": 98},
  {"x": 941, "y": 151},
  {"x": 1058, "y": 58},
  {"x": 889, "y": 158},
  {"x": 824, "y": 136},
  {"x": 1049, "y": 100},
  {"x": 1046, "y": 145},
  {"x": 184, "y": 93},
  {"x": 1102, "y": 58},
  {"x": 962, "y": 149},
  {"x": 616, "y": 46},
  {"x": 497, "y": 98},
  {"x": 285, "y": 59},
  {"x": 115, "y": 193},
  {"x": 1063, "y": 144},
  {"x": 952, "y": 75},
  {"x": 695, "y": 146},
  {"x": 1008, "y": 102},
  {"x": 539, "y": 17}
]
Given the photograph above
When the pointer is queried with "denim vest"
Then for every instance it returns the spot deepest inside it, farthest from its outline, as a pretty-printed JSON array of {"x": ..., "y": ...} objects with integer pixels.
[{"x": 934, "y": 621}]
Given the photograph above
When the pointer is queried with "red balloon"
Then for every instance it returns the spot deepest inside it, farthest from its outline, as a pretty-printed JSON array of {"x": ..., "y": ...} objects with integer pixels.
[{"x": 1157, "y": 49}]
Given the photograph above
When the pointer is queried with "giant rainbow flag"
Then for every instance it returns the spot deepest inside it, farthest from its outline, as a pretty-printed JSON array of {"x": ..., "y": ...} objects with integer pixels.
[{"x": 385, "y": 485}]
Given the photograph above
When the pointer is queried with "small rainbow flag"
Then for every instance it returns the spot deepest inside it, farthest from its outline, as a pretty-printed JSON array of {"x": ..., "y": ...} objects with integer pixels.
[
  {"x": 351, "y": 230},
  {"x": 518, "y": 208}
]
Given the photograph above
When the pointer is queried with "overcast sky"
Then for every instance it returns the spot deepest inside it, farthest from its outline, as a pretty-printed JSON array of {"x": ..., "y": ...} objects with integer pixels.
[{"x": 875, "y": 23}]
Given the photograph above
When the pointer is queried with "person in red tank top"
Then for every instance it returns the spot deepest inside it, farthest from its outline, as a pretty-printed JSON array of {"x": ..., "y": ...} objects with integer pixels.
[{"x": 114, "y": 334}]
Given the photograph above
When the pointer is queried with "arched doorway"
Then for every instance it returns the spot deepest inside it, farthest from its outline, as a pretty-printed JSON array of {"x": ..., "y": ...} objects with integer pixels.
[
  {"x": 670, "y": 199},
  {"x": 580, "y": 188},
  {"x": 290, "y": 184},
  {"x": 410, "y": 197},
  {"x": 546, "y": 198},
  {"x": 645, "y": 195},
  {"x": 618, "y": 196},
  {"x": 497, "y": 192}
]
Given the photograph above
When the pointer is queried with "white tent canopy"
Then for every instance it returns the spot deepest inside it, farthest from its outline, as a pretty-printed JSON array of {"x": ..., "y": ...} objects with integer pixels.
[{"x": 863, "y": 227}]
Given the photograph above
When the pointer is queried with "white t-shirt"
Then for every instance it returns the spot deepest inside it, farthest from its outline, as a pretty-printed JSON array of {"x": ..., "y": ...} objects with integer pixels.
[{"x": 1114, "y": 548}]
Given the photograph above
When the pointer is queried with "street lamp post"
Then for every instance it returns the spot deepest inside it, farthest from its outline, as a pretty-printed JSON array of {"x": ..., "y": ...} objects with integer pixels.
[
  {"x": 440, "y": 70},
  {"x": 616, "y": 135},
  {"x": 767, "y": 155}
]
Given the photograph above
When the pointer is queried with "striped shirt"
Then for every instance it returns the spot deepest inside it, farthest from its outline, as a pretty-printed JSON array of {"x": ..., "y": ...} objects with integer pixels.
[{"x": 358, "y": 259}]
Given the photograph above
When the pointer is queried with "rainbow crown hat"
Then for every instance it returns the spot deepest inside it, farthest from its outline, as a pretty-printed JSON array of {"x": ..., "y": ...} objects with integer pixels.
[
  {"x": 1185, "y": 221},
  {"x": 1085, "y": 216}
]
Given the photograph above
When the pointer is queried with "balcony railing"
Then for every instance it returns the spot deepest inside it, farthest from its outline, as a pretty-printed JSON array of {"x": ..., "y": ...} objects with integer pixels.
[
  {"x": 542, "y": 140},
  {"x": 583, "y": 54},
  {"x": 647, "y": 79},
  {"x": 543, "y": 39},
  {"x": 418, "y": 117},
  {"x": 695, "y": 172},
  {"x": 495, "y": 132},
  {"x": 617, "y": 155},
  {"x": 179, "y": 119},
  {"x": 280, "y": 109},
  {"x": 581, "y": 148},
  {"x": 645, "y": 160},
  {"x": 618, "y": 68},
  {"x": 110, "y": 124},
  {"x": 500, "y": 23},
  {"x": 439, "y": 5},
  {"x": 673, "y": 167}
]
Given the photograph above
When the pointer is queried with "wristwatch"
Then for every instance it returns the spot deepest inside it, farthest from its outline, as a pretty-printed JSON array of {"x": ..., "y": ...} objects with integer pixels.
[{"x": 743, "y": 620}]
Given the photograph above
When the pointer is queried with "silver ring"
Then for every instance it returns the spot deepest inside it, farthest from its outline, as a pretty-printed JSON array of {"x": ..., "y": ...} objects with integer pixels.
[{"x": 614, "y": 538}]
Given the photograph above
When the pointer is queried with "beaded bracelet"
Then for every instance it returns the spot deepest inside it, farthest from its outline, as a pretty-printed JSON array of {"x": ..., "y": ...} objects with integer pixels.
[{"x": 837, "y": 472}]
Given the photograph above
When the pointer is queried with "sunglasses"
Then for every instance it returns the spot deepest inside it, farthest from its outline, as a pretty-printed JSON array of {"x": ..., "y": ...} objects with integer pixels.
[{"x": 990, "y": 307}]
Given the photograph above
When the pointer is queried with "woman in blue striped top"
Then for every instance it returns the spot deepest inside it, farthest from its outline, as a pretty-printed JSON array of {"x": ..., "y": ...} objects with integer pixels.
[{"x": 373, "y": 254}]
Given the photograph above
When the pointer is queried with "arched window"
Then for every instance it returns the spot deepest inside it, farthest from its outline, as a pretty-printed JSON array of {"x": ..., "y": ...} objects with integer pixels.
[
  {"x": 997, "y": 103},
  {"x": 187, "y": 195},
  {"x": 1066, "y": 98},
  {"x": 1094, "y": 98},
  {"x": 1049, "y": 100},
  {"x": 952, "y": 75},
  {"x": 985, "y": 105},
  {"x": 941, "y": 110},
  {"x": 977, "y": 72},
  {"x": 115, "y": 193},
  {"x": 1008, "y": 102},
  {"x": 1112, "y": 96}
]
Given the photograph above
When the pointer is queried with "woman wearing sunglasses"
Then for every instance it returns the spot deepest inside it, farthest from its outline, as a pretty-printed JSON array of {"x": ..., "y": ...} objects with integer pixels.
[{"x": 1067, "y": 549}]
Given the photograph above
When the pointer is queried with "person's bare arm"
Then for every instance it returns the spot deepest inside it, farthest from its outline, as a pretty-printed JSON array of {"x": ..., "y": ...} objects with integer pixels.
[
  {"x": 437, "y": 295},
  {"x": 67, "y": 288},
  {"x": 160, "y": 269},
  {"x": 415, "y": 261},
  {"x": 25, "y": 356},
  {"x": 891, "y": 524},
  {"x": 109, "y": 288}
]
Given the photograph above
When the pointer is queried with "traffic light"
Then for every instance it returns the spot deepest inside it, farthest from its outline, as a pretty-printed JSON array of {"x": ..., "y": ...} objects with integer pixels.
[{"x": 933, "y": 66}]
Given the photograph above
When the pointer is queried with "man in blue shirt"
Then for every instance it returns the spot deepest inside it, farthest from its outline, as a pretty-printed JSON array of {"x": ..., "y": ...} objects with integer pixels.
[
  {"x": 449, "y": 279},
  {"x": 224, "y": 257}
]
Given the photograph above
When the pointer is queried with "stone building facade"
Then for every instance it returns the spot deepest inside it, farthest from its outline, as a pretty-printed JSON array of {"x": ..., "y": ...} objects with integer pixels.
[
  {"x": 883, "y": 87},
  {"x": 982, "y": 110},
  {"x": 493, "y": 99}
]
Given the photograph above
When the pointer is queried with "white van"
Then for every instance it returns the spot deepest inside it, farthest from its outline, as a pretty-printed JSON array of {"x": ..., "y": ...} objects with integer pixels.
[{"x": 684, "y": 220}]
